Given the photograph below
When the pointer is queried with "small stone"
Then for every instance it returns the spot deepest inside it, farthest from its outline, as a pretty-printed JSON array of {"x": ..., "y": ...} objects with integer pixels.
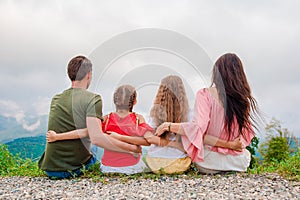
[{"x": 233, "y": 186}]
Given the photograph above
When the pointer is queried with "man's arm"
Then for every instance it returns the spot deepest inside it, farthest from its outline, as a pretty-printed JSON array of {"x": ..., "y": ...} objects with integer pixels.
[
  {"x": 148, "y": 139},
  {"x": 52, "y": 136},
  {"x": 105, "y": 141}
]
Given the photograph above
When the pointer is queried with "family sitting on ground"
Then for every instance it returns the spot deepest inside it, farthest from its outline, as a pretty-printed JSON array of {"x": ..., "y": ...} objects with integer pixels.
[{"x": 215, "y": 139}]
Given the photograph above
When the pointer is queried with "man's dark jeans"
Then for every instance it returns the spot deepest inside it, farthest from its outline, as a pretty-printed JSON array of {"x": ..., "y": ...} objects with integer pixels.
[{"x": 71, "y": 174}]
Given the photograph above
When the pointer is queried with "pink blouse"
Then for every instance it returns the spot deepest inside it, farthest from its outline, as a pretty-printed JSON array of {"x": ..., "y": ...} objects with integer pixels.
[{"x": 209, "y": 119}]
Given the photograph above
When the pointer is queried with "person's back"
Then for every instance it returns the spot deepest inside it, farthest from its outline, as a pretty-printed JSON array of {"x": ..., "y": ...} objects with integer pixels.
[
  {"x": 126, "y": 123},
  {"x": 212, "y": 106},
  {"x": 170, "y": 105},
  {"x": 68, "y": 112},
  {"x": 222, "y": 112}
]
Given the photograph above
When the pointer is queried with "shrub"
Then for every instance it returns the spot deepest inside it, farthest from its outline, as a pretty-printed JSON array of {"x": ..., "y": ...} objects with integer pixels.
[
  {"x": 251, "y": 149},
  {"x": 15, "y": 166},
  {"x": 280, "y": 143},
  {"x": 278, "y": 150},
  {"x": 6, "y": 160},
  {"x": 289, "y": 168}
]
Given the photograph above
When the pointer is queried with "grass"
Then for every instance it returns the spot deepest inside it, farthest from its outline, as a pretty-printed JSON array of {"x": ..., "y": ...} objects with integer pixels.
[
  {"x": 16, "y": 166},
  {"x": 94, "y": 174},
  {"x": 289, "y": 168}
]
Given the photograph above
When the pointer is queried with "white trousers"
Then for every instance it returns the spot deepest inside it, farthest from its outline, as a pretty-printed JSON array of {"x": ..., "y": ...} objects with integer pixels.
[
  {"x": 134, "y": 169},
  {"x": 216, "y": 162}
]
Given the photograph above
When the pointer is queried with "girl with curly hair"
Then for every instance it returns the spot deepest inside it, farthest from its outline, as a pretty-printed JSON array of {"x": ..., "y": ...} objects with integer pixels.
[{"x": 170, "y": 105}]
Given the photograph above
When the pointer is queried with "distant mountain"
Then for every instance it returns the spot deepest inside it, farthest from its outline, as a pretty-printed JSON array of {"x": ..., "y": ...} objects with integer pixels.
[
  {"x": 28, "y": 147},
  {"x": 10, "y": 129},
  {"x": 33, "y": 147}
]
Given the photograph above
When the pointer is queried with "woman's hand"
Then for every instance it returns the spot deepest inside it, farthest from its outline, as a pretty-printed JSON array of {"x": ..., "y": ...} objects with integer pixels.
[
  {"x": 161, "y": 129},
  {"x": 51, "y": 136},
  {"x": 236, "y": 144},
  {"x": 135, "y": 150}
]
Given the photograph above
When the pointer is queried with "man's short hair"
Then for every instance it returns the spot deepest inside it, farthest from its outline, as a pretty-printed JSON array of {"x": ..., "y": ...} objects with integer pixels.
[{"x": 78, "y": 67}]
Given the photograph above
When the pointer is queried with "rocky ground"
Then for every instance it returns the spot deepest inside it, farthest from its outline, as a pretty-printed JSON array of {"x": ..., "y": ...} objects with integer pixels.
[{"x": 233, "y": 186}]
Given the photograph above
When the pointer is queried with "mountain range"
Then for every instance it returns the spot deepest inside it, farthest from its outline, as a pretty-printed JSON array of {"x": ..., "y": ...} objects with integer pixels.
[
  {"x": 11, "y": 129},
  {"x": 31, "y": 144}
]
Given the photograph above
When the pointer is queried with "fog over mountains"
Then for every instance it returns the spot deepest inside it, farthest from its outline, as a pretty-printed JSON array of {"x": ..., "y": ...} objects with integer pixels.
[
  {"x": 38, "y": 38},
  {"x": 11, "y": 128}
]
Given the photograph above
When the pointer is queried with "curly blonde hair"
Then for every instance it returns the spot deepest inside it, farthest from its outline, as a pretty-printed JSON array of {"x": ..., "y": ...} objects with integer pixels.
[{"x": 170, "y": 104}]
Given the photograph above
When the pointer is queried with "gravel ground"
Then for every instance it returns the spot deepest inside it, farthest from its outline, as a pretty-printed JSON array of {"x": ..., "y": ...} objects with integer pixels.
[{"x": 233, "y": 186}]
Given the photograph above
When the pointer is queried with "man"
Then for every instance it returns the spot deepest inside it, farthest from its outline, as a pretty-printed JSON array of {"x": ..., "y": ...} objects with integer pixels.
[{"x": 77, "y": 108}]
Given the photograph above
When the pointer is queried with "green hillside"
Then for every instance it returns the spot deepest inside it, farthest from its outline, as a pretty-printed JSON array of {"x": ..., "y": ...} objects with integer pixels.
[
  {"x": 28, "y": 147},
  {"x": 33, "y": 147}
]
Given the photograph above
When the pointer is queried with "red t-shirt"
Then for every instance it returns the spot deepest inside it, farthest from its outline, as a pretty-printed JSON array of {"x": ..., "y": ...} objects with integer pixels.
[{"x": 129, "y": 126}]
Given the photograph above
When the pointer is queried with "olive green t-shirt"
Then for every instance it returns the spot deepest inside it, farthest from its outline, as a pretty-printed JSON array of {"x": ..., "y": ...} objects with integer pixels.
[{"x": 68, "y": 111}]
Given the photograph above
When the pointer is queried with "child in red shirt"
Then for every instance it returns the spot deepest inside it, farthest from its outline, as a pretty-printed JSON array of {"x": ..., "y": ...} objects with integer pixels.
[
  {"x": 126, "y": 123},
  {"x": 122, "y": 125}
]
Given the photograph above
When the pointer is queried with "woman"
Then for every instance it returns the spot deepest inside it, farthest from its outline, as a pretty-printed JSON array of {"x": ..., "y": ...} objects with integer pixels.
[
  {"x": 229, "y": 94},
  {"x": 171, "y": 105}
]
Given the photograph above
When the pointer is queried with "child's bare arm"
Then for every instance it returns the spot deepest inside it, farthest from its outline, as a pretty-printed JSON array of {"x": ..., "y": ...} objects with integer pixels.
[
  {"x": 130, "y": 139},
  {"x": 52, "y": 136},
  {"x": 152, "y": 139}
]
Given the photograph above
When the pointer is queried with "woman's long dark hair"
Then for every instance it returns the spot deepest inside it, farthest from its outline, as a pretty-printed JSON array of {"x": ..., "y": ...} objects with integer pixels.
[{"x": 235, "y": 93}]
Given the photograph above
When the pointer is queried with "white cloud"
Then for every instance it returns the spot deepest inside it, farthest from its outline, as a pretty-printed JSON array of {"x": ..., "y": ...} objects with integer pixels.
[
  {"x": 38, "y": 38},
  {"x": 31, "y": 127},
  {"x": 19, "y": 117},
  {"x": 42, "y": 106},
  {"x": 12, "y": 109}
]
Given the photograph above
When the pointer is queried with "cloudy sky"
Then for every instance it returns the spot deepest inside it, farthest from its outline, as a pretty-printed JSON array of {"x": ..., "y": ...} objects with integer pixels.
[{"x": 39, "y": 37}]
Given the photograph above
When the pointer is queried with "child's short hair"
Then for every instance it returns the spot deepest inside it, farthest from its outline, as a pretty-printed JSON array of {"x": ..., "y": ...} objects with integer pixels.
[{"x": 124, "y": 97}]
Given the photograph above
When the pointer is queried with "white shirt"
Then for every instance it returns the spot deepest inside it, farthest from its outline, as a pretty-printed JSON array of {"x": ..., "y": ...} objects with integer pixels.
[{"x": 166, "y": 152}]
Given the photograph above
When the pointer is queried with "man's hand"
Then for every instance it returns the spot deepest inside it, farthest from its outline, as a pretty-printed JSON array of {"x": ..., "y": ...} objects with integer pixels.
[
  {"x": 51, "y": 136},
  {"x": 136, "y": 149},
  {"x": 236, "y": 144}
]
